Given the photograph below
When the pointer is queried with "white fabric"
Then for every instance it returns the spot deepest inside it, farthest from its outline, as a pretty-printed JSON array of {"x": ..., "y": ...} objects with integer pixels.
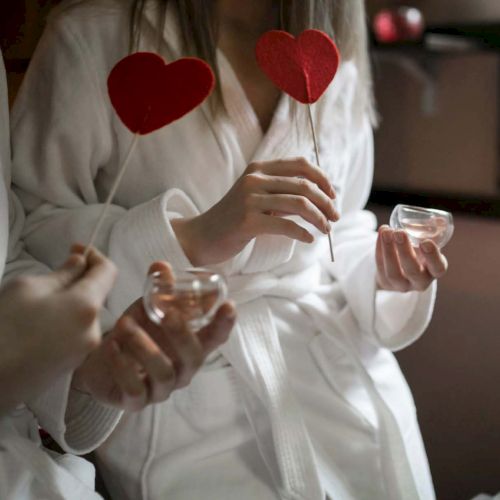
[
  {"x": 325, "y": 373},
  {"x": 27, "y": 470}
]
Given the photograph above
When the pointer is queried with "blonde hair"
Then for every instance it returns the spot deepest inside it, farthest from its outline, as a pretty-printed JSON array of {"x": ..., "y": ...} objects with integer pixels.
[{"x": 343, "y": 20}]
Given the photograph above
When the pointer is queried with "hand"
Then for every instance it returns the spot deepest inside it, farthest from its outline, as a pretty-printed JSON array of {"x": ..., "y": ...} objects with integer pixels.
[
  {"x": 403, "y": 268},
  {"x": 140, "y": 363},
  {"x": 49, "y": 324},
  {"x": 255, "y": 205}
]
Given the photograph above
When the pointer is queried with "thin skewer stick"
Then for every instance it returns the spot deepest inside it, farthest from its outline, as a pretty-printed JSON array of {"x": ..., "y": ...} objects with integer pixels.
[
  {"x": 316, "y": 150},
  {"x": 112, "y": 193}
]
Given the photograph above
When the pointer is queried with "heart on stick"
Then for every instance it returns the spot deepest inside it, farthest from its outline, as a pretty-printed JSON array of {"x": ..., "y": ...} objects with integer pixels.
[
  {"x": 303, "y": 67},
  {"x": 147, "y": 93}
]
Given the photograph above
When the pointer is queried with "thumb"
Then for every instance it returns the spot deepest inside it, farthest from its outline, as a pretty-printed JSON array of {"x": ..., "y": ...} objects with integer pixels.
[{"x": 217, "y": 332}]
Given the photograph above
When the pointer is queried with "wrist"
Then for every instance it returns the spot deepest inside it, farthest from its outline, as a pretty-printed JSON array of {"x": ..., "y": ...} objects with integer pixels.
[{"x": 189, "y": 237}]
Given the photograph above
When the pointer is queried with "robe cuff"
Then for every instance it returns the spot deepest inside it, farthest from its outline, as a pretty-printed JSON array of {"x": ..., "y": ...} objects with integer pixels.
[
  {"x": 78, "y": 423},
  {"x": 394, "y": 320},
  {"x": 149, "y": 227}
]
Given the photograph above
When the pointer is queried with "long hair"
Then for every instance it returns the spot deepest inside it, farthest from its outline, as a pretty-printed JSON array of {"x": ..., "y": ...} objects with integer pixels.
[{"x": 343, "y": 20}]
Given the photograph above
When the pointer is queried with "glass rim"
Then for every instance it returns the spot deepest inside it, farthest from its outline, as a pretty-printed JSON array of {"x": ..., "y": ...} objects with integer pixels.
[{"x": 426, "y": 210}]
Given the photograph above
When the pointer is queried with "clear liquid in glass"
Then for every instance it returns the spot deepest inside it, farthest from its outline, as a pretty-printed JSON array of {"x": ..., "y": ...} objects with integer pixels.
[
  {"x": 423, "y": 224},
  {"x": 194, "y": 295},
  {"x": 194, "y": 306}
]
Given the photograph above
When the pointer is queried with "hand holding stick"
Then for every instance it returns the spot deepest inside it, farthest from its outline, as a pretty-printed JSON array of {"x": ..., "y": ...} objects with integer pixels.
[
  {"x": 303, "y": 67},
  {"x": 148, "y": 94}
]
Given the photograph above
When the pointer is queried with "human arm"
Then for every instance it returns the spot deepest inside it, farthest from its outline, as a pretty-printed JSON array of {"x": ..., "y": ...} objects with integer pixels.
[
  {"x": 49, "y": 325},
  {"x": 391, "y": 311},
  {"x": 141, "y": 363}
]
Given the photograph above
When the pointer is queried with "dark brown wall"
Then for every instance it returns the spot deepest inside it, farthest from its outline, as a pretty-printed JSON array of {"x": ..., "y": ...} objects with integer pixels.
[
  {"x": 454, "y": 369},
  {"x": 21, "y": 24}
]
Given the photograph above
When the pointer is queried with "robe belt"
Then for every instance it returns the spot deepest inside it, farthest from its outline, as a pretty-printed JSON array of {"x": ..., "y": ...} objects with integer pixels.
[{"x": 255, "y": 352}]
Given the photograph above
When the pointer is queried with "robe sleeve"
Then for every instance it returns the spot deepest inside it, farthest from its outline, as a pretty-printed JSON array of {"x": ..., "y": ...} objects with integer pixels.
[
  {"x": 61, "y": 137},
  {"x": 63, "y": 140},
  {"x": 389, "y": 319}
]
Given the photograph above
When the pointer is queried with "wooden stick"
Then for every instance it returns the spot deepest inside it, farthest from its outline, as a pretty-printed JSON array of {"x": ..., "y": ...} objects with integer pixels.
[
  {"x": 112, "y": 193},
  {"x": 316, "y": 150}
]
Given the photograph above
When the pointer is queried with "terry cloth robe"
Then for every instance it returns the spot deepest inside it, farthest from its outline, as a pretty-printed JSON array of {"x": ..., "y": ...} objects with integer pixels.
[
  {"x": 306, "y": 398},
  {"x": 28, "y": 471}
]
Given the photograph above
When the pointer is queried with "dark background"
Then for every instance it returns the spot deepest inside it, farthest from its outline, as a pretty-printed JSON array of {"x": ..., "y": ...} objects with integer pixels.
[{"x": 438, "y": 145}]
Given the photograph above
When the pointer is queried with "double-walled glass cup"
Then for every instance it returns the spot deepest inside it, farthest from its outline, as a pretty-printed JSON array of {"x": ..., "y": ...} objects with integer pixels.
[
  {"x": 423, "y": 224},
  {"x": 196, "y": 294}
]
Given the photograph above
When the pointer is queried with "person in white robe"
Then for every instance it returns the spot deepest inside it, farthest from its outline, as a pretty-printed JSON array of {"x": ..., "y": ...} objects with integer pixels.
[
  {"x": 305, "y": 400},
  {"x": 48, "y": 326}
]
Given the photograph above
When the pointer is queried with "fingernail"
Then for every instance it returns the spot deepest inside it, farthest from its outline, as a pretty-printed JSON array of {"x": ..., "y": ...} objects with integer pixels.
[
  {"x": 327, "y": 227},
  {"x": 334, "y": 214},
  {"x": 333, "y": 195},
  {"x": 399, "y": 237},
  {"x": 427, "y": 246},
  {"x": 387, "y": 236}
]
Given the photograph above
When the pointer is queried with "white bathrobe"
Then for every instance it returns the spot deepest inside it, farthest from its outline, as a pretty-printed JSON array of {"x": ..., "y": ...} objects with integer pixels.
[
  {"x": 306, "y": 399},
  {"x": 27, "y": 470}
]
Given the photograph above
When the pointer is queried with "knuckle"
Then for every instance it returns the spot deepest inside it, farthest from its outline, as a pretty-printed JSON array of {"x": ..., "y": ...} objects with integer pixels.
[
  {"x": 253, "y": 167},
  {"x": 440, "y": 272},
  {"x": 301, "y": 160},
  {"x": 167, "y": 373},
  {"x": 304, "y": 184},
  {"x": 251, "y": 181},
  {"x": 21, "y": 284},
  {"x": 87, "y": 312},
  {"x": 302, "y": 203}
]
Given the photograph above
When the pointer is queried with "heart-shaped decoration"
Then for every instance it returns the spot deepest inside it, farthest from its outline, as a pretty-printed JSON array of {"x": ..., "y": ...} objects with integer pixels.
[
  {"x": 147, "y": 93},
  {"x": 303, "y": 67}
]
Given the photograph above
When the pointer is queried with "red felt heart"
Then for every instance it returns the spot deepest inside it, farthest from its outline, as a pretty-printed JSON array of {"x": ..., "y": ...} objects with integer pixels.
[
  {"x": 303, "y": 67},
  {"x": 147, "y": 93}
]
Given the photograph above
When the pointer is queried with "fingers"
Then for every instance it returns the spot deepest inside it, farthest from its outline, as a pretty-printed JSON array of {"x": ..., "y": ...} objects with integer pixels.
[
  {"x": 292, "y": 205},
  {"x": 127, "y": 378},
  {"x": 64, "y": 277},
  {"x": 296, "y": 167},
  {"x": 182, "y": 346},
  {"x": 158, "y": 368},
  {"x": 98, "y": 279},
  {"x": 217, "y": 332},
  {"x": 435, "y": 262},
  {"x": 302, "y": 187},
  {"x": 383, "y": 282},
  {"x": 392, "y": 267},
  {"x": 164, "y": 269},
  {"x": 417, "y": 275},
  {"x": 268, "y": 224},
  {"x": 400, "y": 267}
]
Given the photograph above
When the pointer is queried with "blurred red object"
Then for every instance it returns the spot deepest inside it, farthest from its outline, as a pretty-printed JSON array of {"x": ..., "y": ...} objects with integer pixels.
[{"x": 398, "y": 24}]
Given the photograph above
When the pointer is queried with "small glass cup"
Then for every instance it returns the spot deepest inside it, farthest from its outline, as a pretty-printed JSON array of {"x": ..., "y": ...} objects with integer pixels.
[
  {"x": 196, "y": 294},
  {"x": 423, "y": 224}
]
